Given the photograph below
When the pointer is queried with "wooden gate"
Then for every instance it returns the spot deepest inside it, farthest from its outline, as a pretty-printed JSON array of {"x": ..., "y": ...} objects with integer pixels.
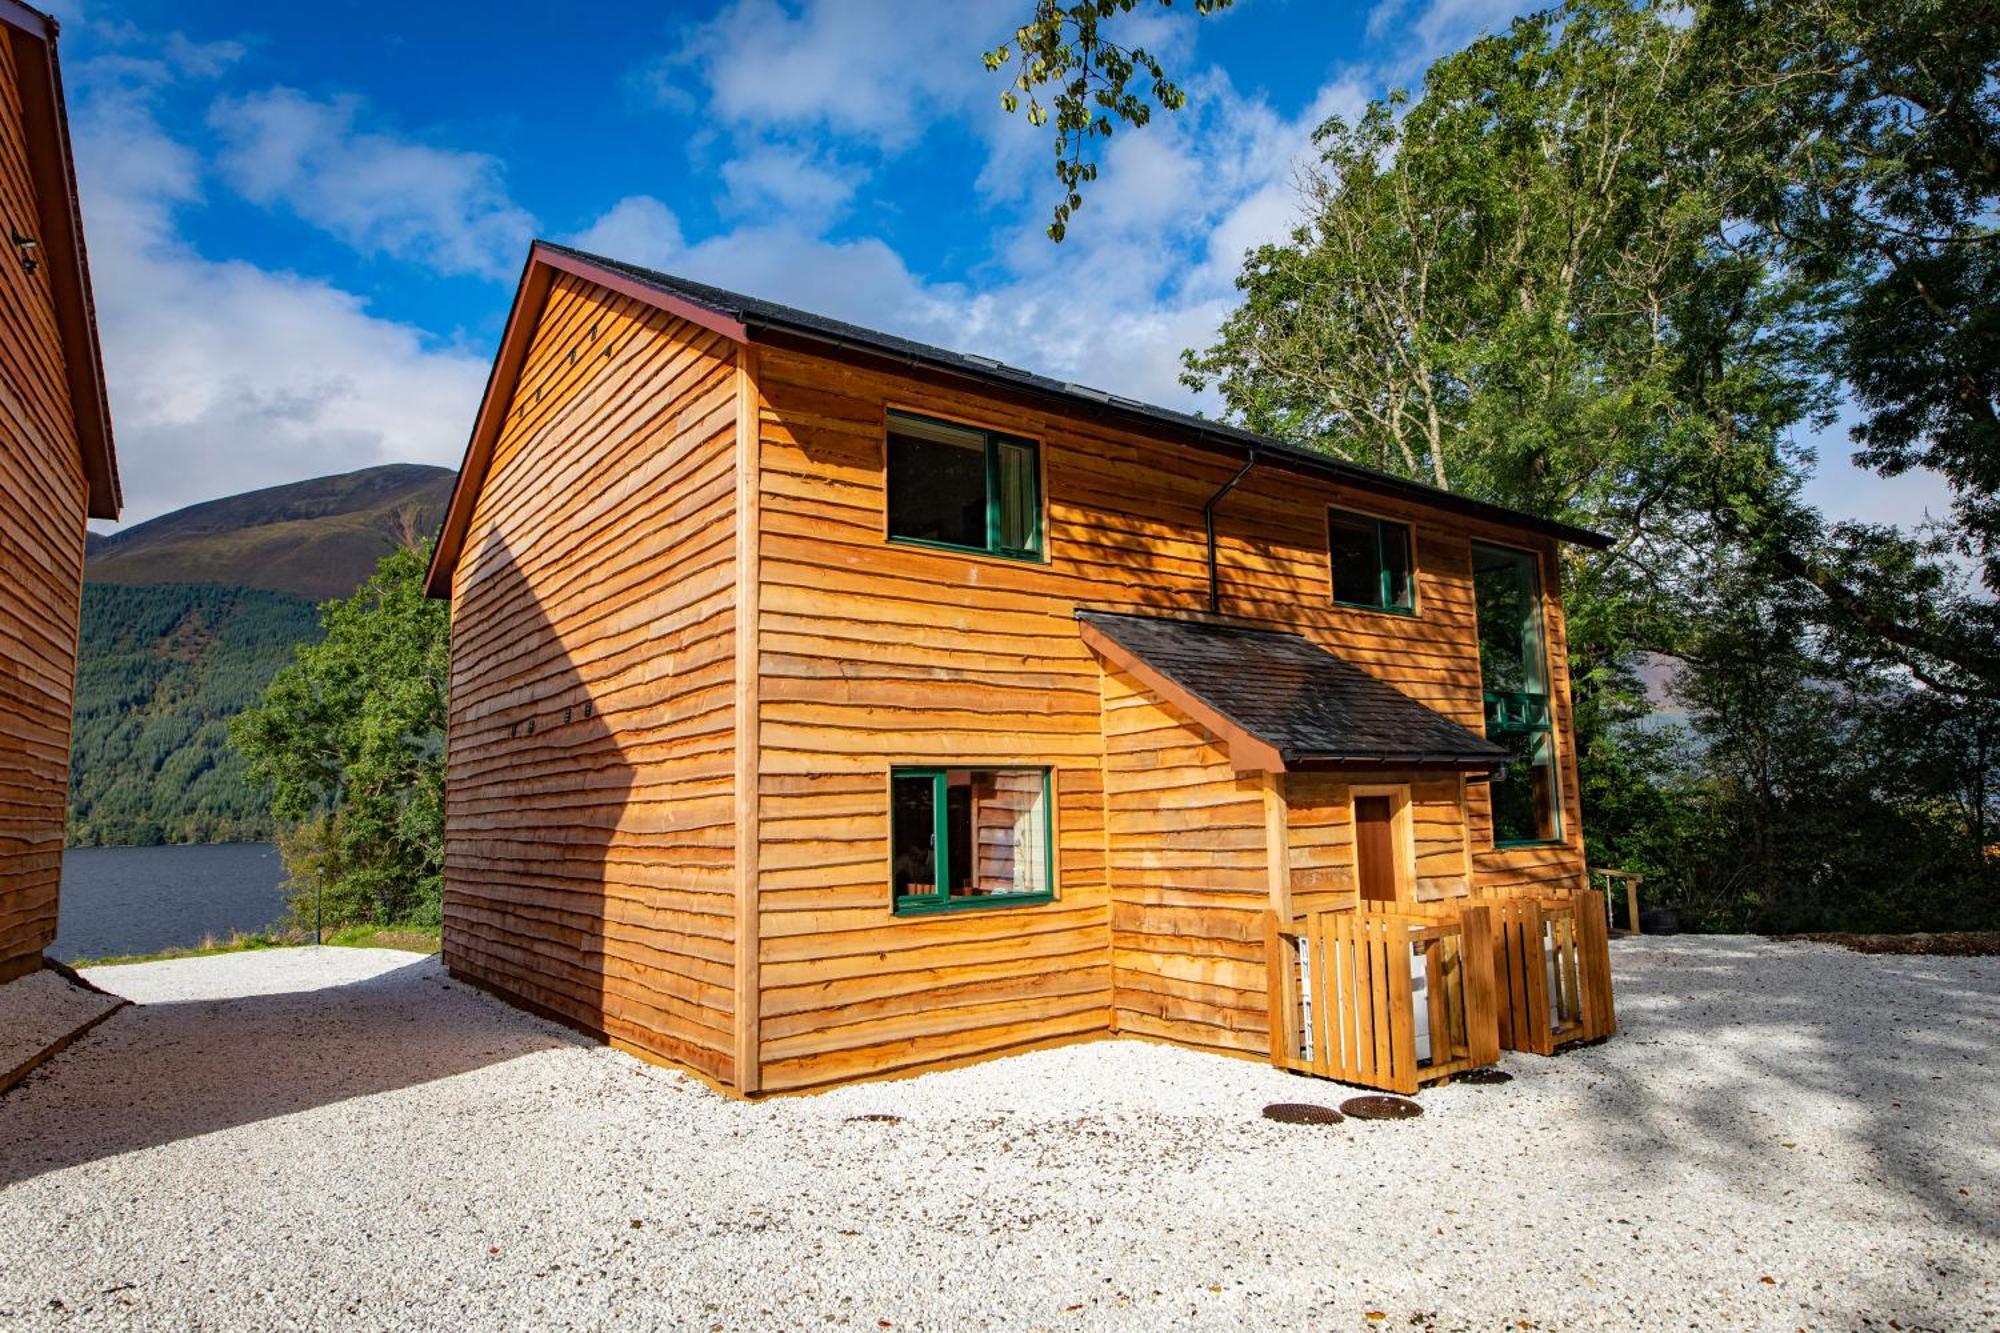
[
  {"x": 1554, "y": 956},
  {"x": 1345, "y": 1002}
]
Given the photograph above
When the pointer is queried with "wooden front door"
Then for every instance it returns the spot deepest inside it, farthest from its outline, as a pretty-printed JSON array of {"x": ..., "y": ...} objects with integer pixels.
[{"x": 1375, "y": 848}]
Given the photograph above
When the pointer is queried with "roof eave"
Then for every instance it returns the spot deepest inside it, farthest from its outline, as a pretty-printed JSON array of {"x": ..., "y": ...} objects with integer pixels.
[
  {"x": 1414, "y": 762},
  {"x": 1219, "y": 438},
  {"x": 45, "y": 121}
]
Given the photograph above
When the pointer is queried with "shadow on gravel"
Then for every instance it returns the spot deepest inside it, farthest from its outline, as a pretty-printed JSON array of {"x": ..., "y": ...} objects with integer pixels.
[
  {"x": 1784, "y": 1048},
  {"x": 160, "y": 1073}
]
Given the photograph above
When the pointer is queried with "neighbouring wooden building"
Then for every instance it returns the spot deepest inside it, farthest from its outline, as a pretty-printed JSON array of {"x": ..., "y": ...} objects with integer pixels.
[
  {"x": 826, "y": 705},
  {"x": 56, "y": 469}
]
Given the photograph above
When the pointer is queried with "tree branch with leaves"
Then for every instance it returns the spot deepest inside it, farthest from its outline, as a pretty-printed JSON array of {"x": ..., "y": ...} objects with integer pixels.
[{"x": 1071, "y": 74}]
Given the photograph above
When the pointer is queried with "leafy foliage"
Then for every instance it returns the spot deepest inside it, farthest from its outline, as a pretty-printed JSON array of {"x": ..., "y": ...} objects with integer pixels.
[
  {"x": 1088, "y": 79},
  {"x": 160, "y": 671},
  {"x": 1602, "y": 269},
  {"x": 349, "y": 739}
]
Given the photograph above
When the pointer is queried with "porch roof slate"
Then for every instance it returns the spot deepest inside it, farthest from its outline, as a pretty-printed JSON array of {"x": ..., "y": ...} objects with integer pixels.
[{"x": 1290, "y": 703}]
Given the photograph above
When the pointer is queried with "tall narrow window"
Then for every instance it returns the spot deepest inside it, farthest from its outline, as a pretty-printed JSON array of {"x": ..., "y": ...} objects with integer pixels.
[
  {"x": 952, "y": 485},
  {"x": 1513, "y": 670},
  {"x": 969, "y": 837},
  {"x": 1371, "y": 562}
]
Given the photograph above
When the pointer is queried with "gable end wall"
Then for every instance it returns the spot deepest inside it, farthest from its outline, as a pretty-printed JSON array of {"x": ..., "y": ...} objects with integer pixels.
[{"x": 589, "y": 817}]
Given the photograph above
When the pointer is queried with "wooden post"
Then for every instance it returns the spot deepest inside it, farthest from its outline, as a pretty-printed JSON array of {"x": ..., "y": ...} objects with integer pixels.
[
  {"x": 1482, "y": 1019},
  {"x": 1278, "y": 884},
  {"x": 748, "y": 1052}
]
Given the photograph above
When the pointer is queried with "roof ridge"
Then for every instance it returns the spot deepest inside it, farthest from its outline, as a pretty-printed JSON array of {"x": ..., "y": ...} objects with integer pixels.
[{"x": 755, "y": 310}]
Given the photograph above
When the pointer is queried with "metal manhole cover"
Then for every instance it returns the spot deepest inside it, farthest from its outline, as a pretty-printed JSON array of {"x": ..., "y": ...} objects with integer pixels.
[
  {"x": 1381, "y": 1108},
  {"x": 1302, "y": 1113},
  {"x": 1484, "y": 1077},
  {"x": 879, "y": 1117}
]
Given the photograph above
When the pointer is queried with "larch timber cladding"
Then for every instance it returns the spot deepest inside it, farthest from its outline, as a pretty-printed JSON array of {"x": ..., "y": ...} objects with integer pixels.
[
  {"x": 1188, "y": 880},
  {"x": 590, "y": 868},
  {"x": 1320, "y": 834},
  {"x": 874, "y": 654},
  {"x": 42, "y": 500}
]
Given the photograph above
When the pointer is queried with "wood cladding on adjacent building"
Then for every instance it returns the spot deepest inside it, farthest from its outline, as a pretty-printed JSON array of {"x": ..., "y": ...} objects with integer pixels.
[
  {"x": 685, "y": 533},
  {"x": 49, "y": 484}
]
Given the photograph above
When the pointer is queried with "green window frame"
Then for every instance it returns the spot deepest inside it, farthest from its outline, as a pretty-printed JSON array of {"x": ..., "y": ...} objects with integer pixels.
[
  {"x": 1390, "y": 583},
  {"x": 941, "y": 898},
  {"x": 1013, "y": 502},
  {"x": 1514, "y": 676}
]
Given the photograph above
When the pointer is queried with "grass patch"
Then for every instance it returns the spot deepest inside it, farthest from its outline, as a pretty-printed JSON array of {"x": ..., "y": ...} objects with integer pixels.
[{"x": 415, "y": 939}]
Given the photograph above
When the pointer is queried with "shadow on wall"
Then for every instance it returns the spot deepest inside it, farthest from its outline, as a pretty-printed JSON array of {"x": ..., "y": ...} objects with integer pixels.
[
  {"x": 560, "y": 886},
  {"x": 156, "y": 1074}
]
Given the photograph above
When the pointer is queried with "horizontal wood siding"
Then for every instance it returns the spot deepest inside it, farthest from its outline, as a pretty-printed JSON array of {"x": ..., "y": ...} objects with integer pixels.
[
  {"x": 1189, "y": 882},
  {"x": 42, "y": 502},
  {"x": 589, "y": 866},
  {"x": 874, "y": 656},
  {"x": 1320, "y": 821}
]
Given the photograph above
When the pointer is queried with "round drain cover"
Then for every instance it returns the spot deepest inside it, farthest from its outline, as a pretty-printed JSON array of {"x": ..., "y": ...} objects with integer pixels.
[
  {"x": 1381, "y": 1108},
  {"x": 880, "y": 1117},
  {"x": 1302, "y": 1113},
  {"x": 1484, "y": 1077}
]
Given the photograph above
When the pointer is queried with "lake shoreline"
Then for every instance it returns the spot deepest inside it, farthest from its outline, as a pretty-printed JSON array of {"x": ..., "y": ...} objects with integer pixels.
[{"x": 144, "y": 899}]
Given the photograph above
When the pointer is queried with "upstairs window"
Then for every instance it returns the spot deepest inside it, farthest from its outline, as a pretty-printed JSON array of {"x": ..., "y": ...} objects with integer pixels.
[
  {"x": 960, "y": 487},
  {"x": 969, "y": 837},
  {"x": 1371, "y": 562},
  {"x": 1513, "y": 672}
]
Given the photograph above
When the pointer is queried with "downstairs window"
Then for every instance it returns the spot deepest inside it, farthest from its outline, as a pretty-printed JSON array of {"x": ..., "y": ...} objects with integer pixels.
[{"x": 969, "y": 837}]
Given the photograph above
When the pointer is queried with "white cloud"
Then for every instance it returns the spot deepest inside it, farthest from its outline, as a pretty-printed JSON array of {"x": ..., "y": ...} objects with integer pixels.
[
  {"x": 225, "y": 376},
  {"x": 445, "y": 208},
  {"x": 882, "y": 70},
  {"x": 638, "y": 229},
  {"x": 790, "y": 181}
]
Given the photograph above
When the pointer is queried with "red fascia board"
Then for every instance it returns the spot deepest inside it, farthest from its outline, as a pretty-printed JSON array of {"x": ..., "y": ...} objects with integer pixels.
[{"x": 537, "y": 276}]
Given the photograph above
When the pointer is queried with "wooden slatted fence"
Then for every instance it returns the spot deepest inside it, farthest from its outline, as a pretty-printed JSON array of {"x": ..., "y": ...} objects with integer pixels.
[
  {"x": 1347, "y": 1001},
  {"x": 1554, "y": 958}
]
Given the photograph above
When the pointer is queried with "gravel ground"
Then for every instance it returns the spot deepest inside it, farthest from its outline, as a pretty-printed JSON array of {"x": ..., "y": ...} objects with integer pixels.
[
  {"x": 39, "y": 1010},
  {"x": 1786, "y": 1136}
]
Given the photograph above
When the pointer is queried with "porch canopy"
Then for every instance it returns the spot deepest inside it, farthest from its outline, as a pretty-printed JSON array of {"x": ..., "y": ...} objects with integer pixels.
[{"x": 1280, "y": 702}]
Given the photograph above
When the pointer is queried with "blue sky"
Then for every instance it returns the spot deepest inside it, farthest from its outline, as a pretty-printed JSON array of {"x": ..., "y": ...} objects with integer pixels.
[{"x": 305, "y": 221}]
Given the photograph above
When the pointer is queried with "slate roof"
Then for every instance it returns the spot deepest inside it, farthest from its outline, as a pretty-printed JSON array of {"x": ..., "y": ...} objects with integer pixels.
[
  {"x": 1303, "y": 702},
  {"x": 755, "y": 314}
]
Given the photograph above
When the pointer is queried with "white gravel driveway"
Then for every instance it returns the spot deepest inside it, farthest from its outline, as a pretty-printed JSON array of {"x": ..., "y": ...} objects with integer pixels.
[{"x": 1786, "y": 1136}]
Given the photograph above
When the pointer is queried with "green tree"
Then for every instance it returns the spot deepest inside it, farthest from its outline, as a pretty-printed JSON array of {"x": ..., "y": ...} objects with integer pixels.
[
  {"x": 350, "y": 741},
  {"x": 1575, "y": 275}
]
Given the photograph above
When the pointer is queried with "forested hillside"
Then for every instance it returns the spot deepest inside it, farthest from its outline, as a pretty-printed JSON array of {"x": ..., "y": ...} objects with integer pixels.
[
  {"x": 161, "y": 671},
  {"x": 185, "y": 620}
]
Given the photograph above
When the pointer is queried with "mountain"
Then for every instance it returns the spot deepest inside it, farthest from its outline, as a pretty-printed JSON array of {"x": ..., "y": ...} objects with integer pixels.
[
  {"x": 185, "y": 620},
  {"x": 316, "y": 539}
]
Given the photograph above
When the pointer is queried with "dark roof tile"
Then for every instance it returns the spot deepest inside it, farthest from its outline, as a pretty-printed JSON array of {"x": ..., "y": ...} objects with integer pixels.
[{"x": 1296, "y": 697}]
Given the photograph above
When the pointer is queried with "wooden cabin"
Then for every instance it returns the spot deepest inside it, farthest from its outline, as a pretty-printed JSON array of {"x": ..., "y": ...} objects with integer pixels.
[
  {"x": 56, "y": 470},
  {"x": 825, "y": 705}
]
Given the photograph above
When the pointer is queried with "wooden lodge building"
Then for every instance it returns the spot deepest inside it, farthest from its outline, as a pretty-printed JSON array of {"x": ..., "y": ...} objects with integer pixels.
[
  {"x": 825, "y": 705},
  {"x": 56, "y": 469}
]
